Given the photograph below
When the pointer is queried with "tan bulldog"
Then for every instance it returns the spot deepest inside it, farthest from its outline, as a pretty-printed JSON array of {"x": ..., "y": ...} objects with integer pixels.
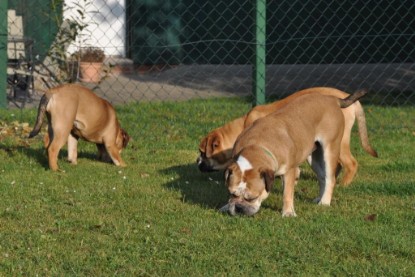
[
  {"x": 310, "y": 126},
  {"x": 216, "y": 148},
  {"x": 75, "y": 112}
]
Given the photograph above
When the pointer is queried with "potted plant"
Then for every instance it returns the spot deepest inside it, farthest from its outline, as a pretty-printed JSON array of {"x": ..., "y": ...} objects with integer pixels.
[{"x": 90, "y": 63}]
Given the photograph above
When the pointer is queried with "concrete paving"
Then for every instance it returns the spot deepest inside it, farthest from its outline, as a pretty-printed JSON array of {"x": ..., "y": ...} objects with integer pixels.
[{"x": 184, "y": 82}]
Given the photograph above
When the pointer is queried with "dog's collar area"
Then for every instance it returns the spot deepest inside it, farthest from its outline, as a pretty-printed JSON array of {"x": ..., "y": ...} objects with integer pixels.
[{"x": 269, "y": 153}]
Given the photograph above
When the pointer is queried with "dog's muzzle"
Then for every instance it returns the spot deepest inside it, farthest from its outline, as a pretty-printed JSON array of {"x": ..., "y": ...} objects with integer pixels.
[
  {"x": 238, "y": 208},
  {"x": 203, "y": 166}
]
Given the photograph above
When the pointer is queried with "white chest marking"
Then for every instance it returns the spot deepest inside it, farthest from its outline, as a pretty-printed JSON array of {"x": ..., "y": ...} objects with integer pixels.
[{"x": 243, "y": 164}]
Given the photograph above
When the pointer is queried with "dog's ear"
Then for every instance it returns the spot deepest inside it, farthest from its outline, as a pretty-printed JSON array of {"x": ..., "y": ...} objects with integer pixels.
[
  {"x": 229, "y": 171},
  {"x": 212, "y": 142},
  {"x": 202, "y": 145},
  {"x": 269, "y": 178},
  {"x": 215, "y": 142}
]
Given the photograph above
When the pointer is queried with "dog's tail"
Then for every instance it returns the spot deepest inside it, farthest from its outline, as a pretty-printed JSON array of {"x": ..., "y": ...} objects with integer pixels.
[
  {"x": 361, "y": 119},
  {"x": 40, "y": 115},
  {"x": 346, "y": 102},
  {"x": 361, "y": 124}
]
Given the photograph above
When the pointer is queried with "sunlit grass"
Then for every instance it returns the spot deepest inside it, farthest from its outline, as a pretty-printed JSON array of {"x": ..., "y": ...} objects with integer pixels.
[{"x": 158, "y": 216}]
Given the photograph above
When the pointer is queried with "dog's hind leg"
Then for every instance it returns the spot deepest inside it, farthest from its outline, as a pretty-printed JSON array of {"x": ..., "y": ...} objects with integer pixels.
[
  {"x": 316, "y": 161},
  {"x": 72, "y": 149},
  {"x": 59, "y": 138},
  {"x": 48, "y": 137},
  {"x": 348, "y": 162},
  {"x": 331, "y": 156},
  {"x": 346, "y": 158},
  {"x": 46, "y": 140}
]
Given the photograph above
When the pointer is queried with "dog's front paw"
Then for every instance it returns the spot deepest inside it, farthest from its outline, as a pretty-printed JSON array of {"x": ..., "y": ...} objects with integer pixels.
[
  {"x": 120, "y": 163},
  {"x": 324, "y": 203},
  {"x": 289, "y": 214},
  {"x": 72, "y": 161}
]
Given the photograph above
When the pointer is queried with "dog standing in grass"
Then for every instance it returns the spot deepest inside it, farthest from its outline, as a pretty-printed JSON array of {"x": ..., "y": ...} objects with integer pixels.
[
  {"x": 310, "y": 126},
  {"x": 75, "y": 112},
  {"x": 216, "y": 147}
]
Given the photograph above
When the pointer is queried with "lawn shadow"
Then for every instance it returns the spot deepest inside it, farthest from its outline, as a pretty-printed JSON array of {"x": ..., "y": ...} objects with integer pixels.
[
  {"x": 37, "y": 154},
  {"x": 204, "y": 189},
  {"x": 209, "y": 190},
  {"x": 41, "y": 157}
]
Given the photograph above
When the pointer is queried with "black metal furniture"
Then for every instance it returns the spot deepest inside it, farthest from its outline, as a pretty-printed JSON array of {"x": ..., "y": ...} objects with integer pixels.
[{"x": 20, "y": 69}]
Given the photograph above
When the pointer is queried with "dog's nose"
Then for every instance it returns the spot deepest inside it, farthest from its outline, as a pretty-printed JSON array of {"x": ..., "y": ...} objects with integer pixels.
[
  {"x": 239, "y": 209},
  {"x": 203, "y": 167},
  {"x": 244, "y": 210}
]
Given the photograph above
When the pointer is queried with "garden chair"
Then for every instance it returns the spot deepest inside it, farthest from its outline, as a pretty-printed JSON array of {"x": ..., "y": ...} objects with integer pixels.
[{"x": 19, "y": 61}]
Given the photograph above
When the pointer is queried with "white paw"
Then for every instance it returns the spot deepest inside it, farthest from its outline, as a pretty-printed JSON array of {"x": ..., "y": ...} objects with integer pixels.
[
  {"x": 324, "y": 203},
  {"x": 289, "y": 214}
]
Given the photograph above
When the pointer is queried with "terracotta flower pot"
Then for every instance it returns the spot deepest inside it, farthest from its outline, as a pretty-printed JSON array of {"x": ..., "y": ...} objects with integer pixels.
[{"x": 90, "y": 72}]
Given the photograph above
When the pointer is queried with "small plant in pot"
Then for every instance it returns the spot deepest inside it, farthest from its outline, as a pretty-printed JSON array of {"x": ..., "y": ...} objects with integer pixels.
[{"x": 90, "y": 63}]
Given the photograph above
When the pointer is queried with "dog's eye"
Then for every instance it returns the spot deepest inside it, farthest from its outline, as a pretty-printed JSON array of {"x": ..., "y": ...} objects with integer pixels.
[
  {"x": 250, "y": 199},
  {"x": 236, "y": 194}
]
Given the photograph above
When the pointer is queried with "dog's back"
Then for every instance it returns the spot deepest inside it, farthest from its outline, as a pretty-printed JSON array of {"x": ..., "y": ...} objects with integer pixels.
[
  {"x": 303, "y": 121},
  {"x": 263, "y": 110},
  {"x": 76, "y": 104}
]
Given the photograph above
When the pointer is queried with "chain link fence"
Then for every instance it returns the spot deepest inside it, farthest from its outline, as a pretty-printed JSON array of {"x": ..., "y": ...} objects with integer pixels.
[{"x": 179, "y": 49}]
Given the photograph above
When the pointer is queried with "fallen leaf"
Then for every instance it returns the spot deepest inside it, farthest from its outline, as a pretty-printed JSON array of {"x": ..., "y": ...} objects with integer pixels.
[
  {"x": 186, "y": 230},
  {"x": 370, "y": 217}
]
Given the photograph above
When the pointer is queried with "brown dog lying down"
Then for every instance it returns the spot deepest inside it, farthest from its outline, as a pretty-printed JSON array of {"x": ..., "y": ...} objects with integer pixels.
[
  {"x": 216, "y": 148},
  {"x": 275, "y": 145},
  {"x": 76, "y": 112}
]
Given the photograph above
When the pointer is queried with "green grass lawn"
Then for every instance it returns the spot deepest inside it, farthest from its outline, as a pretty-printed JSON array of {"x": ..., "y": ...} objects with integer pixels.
[{"x": 159, "y": 216}]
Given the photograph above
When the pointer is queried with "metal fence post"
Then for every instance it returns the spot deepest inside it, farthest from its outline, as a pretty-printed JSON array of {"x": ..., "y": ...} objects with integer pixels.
[
  {"x": 259, "y": 65},
  {"x": 3, "y": 53}
]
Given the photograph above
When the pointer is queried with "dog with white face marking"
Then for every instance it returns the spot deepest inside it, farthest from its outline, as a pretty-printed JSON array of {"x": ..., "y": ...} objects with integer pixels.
[
  {"x": 311, "y": 126},
  {"x": 216, "y": 147}
]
